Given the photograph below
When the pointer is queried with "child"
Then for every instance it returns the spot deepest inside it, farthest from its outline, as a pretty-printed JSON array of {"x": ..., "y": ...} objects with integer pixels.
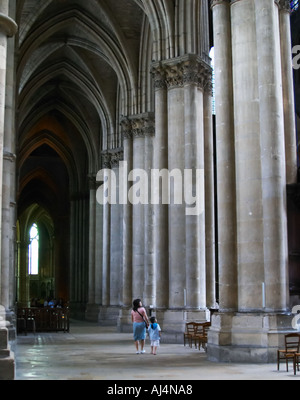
[{"x": 154, "y": 334}]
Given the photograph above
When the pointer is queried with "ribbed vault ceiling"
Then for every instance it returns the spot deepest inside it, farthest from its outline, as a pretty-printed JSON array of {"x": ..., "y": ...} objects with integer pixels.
[{"x": 77, "y": 70}]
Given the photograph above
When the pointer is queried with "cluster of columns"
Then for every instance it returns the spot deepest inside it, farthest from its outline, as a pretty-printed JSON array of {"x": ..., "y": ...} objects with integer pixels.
[
  {"x": 256, "y": 153},
  {"x": 166, "y": 257}
]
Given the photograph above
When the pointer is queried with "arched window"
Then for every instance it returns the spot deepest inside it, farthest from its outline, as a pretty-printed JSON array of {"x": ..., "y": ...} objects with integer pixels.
[{"x": 33, "y": 261}]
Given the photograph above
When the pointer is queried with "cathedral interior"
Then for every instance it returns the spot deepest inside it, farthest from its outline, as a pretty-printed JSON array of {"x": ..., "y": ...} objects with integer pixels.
[{"x": 86, "y": 85}]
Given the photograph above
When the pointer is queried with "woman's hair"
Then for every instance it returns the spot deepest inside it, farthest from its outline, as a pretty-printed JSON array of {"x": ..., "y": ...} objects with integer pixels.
[{"x": 136, "y": 304}]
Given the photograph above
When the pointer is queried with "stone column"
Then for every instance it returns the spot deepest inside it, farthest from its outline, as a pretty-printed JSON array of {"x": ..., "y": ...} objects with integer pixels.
[
  {"x": 288, "y": 91},
  {"x": 274, "y": 234},
  {"x": 138, "y": 211},
  {"x": 92, "y": 240},
  {"x": 160, "y": 210},
  {"x": 116, "y": 281},
  {"x": 150, "y": 273},
  {"x": 251, "y": 333},
  {"x": 8, "y": 28},
  {"x": 124, "y": 321},
  {"x": 225, "y": 143},
  {"x": 127, "y": 216},
  {"x": 98, "y": 253},
  {"x": 210, "y": 219},
  {"x": 176, "y": 159},
  {"x": 106, "y": 244},
  {"x": 194, "y": 77},
  {"x": 247, "y": 155}
]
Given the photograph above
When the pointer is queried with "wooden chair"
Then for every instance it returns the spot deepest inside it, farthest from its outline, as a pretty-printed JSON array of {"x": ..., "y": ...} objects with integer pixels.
[
  {"x": 292, "y": 345},
  {"x": 189, "y": 331},
  {"x": 296, "y": 362},
  {"x": 201, "y": 335}
]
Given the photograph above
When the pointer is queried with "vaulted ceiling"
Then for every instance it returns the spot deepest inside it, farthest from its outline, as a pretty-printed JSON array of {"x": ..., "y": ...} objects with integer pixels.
[{"x": 77, "y": 71}]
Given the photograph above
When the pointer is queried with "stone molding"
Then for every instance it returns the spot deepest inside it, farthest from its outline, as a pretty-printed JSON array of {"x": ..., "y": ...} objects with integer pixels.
[
  {"x": 218, "y": 2},
  {"x": 138, "y": 126},
  {"x": 182, "y": 71},
  {"x": 8, "y": 25},
  {"x": 9, "y": 156},
  {"x": 284, "y": 5}
]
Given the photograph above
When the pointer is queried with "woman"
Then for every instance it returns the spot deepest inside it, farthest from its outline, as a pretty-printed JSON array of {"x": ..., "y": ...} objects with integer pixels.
[{"x": 140, "y": 323}]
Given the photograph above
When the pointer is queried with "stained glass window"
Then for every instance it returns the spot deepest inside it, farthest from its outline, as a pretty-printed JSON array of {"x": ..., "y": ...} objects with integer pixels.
[{"x": 294, "y": 5}]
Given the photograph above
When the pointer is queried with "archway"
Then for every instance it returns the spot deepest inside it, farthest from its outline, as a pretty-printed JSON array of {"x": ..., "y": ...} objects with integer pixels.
[{"x": 43, "y": 214}]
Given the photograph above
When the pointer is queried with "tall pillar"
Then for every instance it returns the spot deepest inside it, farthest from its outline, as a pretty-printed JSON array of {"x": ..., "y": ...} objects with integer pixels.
[
  {"x": 160, "y": 210},
  {"x": 225, "y": 143},
  {"x": 247, "y": 156},
  {"x": 210, "y": 219},
  {"x": 273, "y": 157},
  {"x": 194, "y": 77},
  {"x": 149, "y": 297},
  {"x": 288, "y": 91},
  {"x": 92, "y": 240},
  {"x": 138, "y": 209},
  {"x": 93, "y": 280},
  {"x": 106, "y": 244},
  {"x": 116, "y": 233},
  {"x": 127, "y": 218},
  {"x": 253, "y": 328},
  {"x": 124, "y": 321},
  {"x": 8, "y": 28},
  {"x": 176, "y": 159}
]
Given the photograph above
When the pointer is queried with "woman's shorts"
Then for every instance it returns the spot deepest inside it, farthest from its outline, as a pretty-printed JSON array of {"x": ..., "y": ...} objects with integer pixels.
[{"x": 139, "y": 331}]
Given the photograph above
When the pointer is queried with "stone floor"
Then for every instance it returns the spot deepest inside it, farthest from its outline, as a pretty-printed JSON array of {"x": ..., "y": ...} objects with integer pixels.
[{"x": 91, "y": 352}]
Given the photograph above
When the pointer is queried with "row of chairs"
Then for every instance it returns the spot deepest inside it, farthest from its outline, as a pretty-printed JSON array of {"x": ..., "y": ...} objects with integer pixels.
[
  {"x": 196, "y": 334},
  {"x": 291, "y": 351}
]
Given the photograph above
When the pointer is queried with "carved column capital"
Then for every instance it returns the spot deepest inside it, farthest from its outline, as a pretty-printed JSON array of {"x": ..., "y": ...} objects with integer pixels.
[
  {"x": 143, "y": 125},
  {"x": 111, "y": 158},
  {"x": 186, "y": 70},
  {"x": 284, "y": 5},
  {"x": 126, "y": 128},
  {"x": 138, "y": 126},
  {"x": 159, "y": 76}
]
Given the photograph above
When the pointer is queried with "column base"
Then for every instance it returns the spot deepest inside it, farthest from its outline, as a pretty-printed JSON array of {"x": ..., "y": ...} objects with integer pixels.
[
  {"x": 7, "y": 358},
  {"x": 247, "y": 337},
  {"x": 108, "y": 315},
  {"x": 92, "y": 312}
]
